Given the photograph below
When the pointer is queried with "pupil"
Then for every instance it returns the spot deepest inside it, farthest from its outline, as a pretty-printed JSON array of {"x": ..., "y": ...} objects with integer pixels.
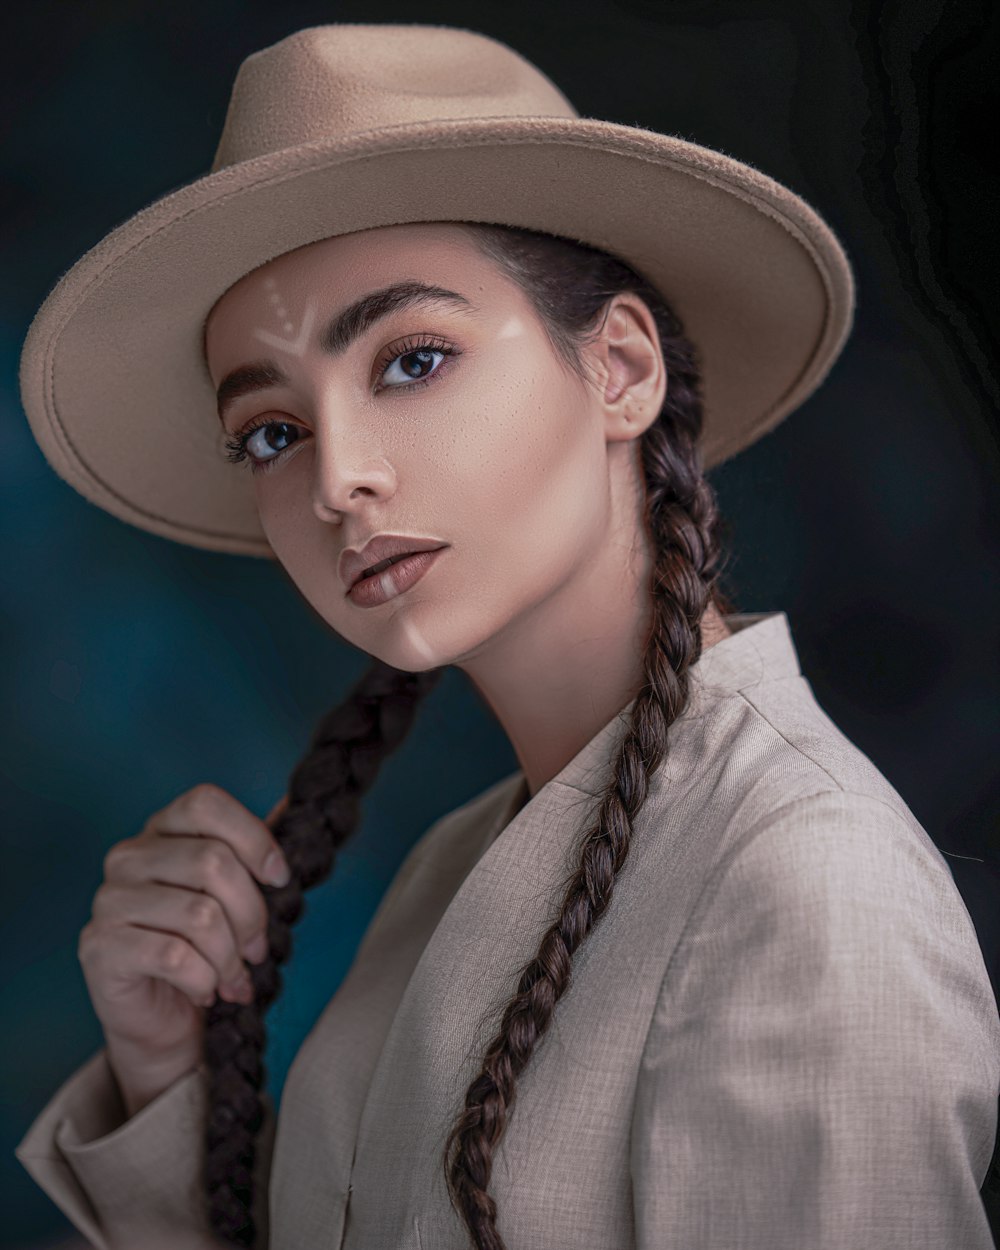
[{"x": 425, "y": 355}]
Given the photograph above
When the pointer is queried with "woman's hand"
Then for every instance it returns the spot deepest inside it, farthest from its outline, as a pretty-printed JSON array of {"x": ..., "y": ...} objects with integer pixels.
[{"x": 178, "y": 911}]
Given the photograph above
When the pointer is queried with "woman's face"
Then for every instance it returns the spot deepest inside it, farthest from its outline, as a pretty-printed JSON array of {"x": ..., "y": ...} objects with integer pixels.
[{"x": 452, "y": 421}]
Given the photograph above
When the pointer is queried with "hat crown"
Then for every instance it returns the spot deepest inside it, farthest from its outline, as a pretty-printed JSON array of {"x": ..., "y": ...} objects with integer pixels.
[{"x": 347, "y": 78}]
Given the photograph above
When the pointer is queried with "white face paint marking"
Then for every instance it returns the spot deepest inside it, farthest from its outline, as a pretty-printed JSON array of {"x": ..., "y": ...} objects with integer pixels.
[
  {"x": 297, "y": 345},
  {"x": 511, "y": 328},
  {"x": 418, "y": 641}
]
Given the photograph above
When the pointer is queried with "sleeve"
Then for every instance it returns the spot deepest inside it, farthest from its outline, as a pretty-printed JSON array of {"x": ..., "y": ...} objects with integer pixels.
[
  {"x": 133, "y": 1184},
  {"x": 823, "y": 1063}
]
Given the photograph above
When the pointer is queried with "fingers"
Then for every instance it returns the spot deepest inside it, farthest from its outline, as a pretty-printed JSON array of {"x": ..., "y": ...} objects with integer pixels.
[
  {"x": 198, "y": 918},
  {"x": 206, "y": 841},
  {"x": 204, "y": 869},
  {"x": 147, "y": 953},
  {"x": 210, "y": 810}
]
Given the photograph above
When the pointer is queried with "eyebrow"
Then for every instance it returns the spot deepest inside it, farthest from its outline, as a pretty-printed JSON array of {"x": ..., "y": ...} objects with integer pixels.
[{"x": 338, "y": 335}]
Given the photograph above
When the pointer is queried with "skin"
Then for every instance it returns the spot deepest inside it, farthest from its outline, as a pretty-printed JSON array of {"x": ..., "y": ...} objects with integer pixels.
[{"x": 530, "y": 474}]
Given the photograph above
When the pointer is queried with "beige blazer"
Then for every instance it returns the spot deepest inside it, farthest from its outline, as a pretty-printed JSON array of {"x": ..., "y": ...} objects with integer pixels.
[{"x": 780, "y": 1036}]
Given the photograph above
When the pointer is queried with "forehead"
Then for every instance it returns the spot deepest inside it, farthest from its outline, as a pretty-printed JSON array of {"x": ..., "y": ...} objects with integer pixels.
[{"x": 348, "y": 265}]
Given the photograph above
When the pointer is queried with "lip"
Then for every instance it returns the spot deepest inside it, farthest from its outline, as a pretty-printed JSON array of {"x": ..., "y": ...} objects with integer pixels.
[
  {"x": 354, "y": 561},
  {"x": 394, "y": 580}
]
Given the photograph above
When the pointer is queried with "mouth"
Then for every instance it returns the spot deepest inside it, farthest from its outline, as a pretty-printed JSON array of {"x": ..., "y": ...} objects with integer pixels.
[
  {"x": 392, "y": 576},
  {"x": 382, "y": 564},
  {"x": 383, "y": 551}
]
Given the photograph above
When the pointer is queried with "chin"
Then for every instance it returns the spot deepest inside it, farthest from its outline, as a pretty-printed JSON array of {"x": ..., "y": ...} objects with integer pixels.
[
  {"x": 404, "y": 645},
  {"x": 409, "y": 643}
]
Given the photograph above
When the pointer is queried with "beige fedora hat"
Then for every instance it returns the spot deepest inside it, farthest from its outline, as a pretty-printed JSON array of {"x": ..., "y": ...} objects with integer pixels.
[{"x": 343, "y": 127}]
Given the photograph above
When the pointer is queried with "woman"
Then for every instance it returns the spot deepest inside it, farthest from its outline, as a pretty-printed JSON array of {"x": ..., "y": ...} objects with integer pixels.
[{"x": 693, "y": 975}]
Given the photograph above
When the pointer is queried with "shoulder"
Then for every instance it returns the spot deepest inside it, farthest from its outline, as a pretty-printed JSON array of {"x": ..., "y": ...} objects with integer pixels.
[
  {"x": 841, "y": 856},
  {"x": 765, "y": 762},
  {"x": 826, "y": 1017},
  {"x": 835, "y": 902}
]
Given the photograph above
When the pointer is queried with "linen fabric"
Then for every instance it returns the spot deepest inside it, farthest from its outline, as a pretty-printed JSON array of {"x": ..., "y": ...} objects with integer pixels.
[{"x": 781, "y": 1034}]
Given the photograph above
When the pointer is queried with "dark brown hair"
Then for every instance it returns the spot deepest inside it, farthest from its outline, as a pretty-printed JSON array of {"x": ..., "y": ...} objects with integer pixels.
[{"x": 570, "y": 285}]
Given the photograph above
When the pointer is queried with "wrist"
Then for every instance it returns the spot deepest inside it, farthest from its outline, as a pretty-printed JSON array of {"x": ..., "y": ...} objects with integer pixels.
[{"x": 141, "y": 1078}]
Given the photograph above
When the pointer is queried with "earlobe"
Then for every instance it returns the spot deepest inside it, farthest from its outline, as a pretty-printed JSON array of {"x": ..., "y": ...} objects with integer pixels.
[
  {"x": 630, "y": 419},
  {"x": 635, "y": 371},
  {"x": 646, "y": 412}
]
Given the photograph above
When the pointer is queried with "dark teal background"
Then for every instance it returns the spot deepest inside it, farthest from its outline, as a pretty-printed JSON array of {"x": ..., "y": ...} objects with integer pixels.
[{"x": 135, "y": 667}]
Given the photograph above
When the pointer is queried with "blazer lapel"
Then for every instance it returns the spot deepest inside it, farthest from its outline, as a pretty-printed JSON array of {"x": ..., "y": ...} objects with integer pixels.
[{"x": 459, "y": 987}]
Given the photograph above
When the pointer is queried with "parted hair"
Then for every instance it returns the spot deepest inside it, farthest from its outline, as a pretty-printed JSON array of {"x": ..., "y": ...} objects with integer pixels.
[{"x": 569, "y": 285}]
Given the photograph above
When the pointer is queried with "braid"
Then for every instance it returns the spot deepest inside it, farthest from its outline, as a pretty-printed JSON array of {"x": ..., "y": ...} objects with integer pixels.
[
  {"x": 324, "y": 794},
  {"x": 682, "y": 517}
]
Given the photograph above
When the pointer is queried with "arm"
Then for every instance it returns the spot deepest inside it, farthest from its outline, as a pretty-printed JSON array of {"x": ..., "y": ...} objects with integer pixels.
[
  {"x": 133, "y": 1184},
  {"x": 823, "y": 1062},
  {"x": 120, "y": 1147}
]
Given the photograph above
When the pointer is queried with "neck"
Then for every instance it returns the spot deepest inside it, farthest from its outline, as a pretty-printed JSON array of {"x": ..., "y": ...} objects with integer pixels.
[{"x": 552, "y": 692}]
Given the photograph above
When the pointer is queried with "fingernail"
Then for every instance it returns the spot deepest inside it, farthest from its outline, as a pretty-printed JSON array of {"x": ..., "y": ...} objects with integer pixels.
[
  {"x": 241, "y": 989},
  {"x": 256, "y": 951},
  {"x": 276, "y": 869}
]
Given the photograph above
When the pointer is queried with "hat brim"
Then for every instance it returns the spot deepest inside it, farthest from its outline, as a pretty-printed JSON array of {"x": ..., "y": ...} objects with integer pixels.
[{"x": 120, "y": 400}]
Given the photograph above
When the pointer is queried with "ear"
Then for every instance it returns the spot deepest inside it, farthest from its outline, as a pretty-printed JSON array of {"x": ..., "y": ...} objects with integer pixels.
[{"x": 627, "y": 367}]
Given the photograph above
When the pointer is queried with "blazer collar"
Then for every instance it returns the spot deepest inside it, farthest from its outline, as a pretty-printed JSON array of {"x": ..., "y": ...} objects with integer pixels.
[{"x": 759, "y": 650}]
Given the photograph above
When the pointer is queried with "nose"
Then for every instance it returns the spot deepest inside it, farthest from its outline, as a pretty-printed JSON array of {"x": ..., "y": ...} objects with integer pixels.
[{"x": 350, "y": 474}]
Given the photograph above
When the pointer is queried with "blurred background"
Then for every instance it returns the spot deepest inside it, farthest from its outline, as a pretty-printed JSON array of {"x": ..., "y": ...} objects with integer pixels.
[{"x": 135, "y": 667}]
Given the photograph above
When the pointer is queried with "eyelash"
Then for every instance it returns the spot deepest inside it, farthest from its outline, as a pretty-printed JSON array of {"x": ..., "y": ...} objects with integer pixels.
[{"x": 236, "y": 447}]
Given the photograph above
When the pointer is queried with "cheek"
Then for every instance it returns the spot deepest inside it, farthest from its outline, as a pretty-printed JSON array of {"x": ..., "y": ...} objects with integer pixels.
[
  {"x": 284, "y": 507},
  {"x": 499, "y": 452},
  {"x": 541, "y": 500}
]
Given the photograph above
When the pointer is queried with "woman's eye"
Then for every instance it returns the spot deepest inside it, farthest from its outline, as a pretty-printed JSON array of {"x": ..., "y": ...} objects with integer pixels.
[
  {"x": 255, "y": 441},
  {"x": 272, "y": 437},
  {"x": 413, "y": 365}
]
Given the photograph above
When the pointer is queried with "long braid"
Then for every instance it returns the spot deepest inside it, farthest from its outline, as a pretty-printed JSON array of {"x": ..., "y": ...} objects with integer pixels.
[
  {"x": 324, "y": 808},
  {"x": 682, "y": 518}
]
